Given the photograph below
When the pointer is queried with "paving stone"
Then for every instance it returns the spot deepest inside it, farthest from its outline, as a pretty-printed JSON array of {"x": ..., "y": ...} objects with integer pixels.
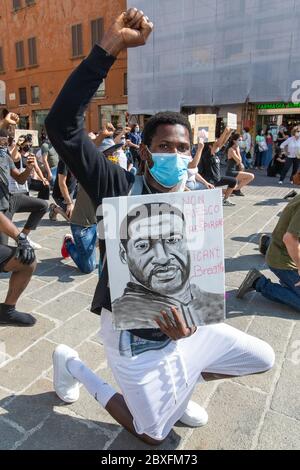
[
  {"x": 66, "y": 305},
  {"x": 50, "y": 291},
  {"x": 26, "y": 304},
  {"x": 279, "y": 433},
  {"x": 92, "y": 354},
  {"x": 261, "y": 306},
  {"x": 274, "y": 331},
  {"x": 40, "y": 397},
  {"x": 286, "y": 399},
  {"x": 240, "y": 323},
  {"x": 26, "y": 336},
  {"x": 63, "y": 432},
  {"x": 75, "y": 330},
  {"x": 55, "y": 270},
  {"x": 9, "y": 435},
  {"x": 3, "y": 287},
  {"x": 232, "y": 424},
  {"x": 34, "y": 285},
  {"x": 89, "y": 286},
  {"x": 21, "y": 372}
]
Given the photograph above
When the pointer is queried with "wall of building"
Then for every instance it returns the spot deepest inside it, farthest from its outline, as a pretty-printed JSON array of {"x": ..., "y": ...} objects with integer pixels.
[
  {"x": 215, "y": 53},
  {"x": 50, "y": 22}
]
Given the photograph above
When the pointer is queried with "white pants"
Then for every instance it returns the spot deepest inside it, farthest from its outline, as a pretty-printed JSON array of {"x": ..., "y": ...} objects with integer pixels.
[{"x": 157, "y": 385}]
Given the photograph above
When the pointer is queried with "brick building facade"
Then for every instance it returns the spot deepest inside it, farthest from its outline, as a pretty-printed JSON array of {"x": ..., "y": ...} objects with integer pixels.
[{"x": 41, "y": 42}]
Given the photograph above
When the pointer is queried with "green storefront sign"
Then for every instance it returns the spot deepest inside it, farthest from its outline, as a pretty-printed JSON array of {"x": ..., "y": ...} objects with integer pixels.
[{"x": 278, "y": 105}]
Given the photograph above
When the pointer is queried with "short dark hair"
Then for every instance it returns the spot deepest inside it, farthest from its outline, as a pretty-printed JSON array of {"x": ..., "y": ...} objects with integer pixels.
[
  {"x": 167, "y": 117},
  {"x": 146, "y": 211}
]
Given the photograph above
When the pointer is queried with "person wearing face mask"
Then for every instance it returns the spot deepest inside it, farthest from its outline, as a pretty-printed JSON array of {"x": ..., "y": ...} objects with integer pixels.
[
  {"x": 261, "y": 149},
  {"x": 156, "y": 383},
  {"x": 210, "y": 167},
  {"x": 13, "y": 201},
  {"x": 135, "y": 141},
  {"x": 291, "y": 148},
  {"x": 235, "y": 167}
]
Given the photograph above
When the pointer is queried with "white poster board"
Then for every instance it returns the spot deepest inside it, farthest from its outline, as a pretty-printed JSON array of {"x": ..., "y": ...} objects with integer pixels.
[
  {"x": 203, "y": 125},
  {"x": 165, "y": 250},
  {"x": 232, "y": 121},
  {"x": 35, "y": 135}
]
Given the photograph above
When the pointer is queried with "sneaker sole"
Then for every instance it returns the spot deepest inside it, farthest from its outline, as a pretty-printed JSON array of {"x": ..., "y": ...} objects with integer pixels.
[{"x": 243, "y": 290}]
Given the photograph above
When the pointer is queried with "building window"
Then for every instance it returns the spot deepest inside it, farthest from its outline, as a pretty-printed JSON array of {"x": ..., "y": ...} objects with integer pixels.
[
  {"x": 97, "y": 31},
  {"x": 35, "y": 94},
  {"x": 22, "y": 96},
  {"x": 32, "y": 51},
  {"x": 30, "y": 2},
  {"x": 77, "y": 42},
  {"x": 125, "y": 84},
  {"x": 17, "y": 4},
  {"x": 1, "y": 60},
  {"x": 20, "y": 55},
  {"x": 100, "y": 93}
]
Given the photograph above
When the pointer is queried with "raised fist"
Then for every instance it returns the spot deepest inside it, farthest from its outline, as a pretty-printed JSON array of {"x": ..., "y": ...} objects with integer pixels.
[
  {"x": 11, "y": 119},
  {"x": 130, "y": 29}
]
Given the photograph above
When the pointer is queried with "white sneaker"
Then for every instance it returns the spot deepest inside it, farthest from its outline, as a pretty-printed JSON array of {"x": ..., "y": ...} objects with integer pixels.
[
  {"x": 66, "y": 387},
  {"x": 194, "y": 416},
  {"x": 280, "y": 182},
  {"x": 34, "y": 245}
]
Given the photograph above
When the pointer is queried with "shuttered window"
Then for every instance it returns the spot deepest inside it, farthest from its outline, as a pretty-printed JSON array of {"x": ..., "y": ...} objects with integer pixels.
[
  {"x": 20, "y": 55},
  {"x": 77, "y": 42},
  {"x": 96, "y": 31},
  {"x": 32, "y": 52}
]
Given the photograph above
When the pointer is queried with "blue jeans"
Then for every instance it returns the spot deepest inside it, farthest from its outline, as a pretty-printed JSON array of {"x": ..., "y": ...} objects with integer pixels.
[
  {"x": 83, "y": 250},
  {"x": 269, "y": 156},
  {"x": 245, "y": 160},
  {"x": 286, "y": 292}
]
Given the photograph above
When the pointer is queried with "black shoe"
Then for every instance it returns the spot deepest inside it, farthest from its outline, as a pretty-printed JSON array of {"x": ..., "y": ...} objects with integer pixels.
[
  {"x": 291, "y": 195},
  {"x": 9, "y": 316},
  {"x": 248, "y": 284},
  {"x": 238, "y": 192},
  {"x": 264, "y": 243}
]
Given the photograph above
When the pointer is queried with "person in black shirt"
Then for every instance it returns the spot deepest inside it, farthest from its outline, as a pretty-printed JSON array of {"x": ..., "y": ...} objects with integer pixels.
[
  {"x": 63, "y": 193},
  {"x": 157, "y": 376},
  {"x": 210, "y": 167}
]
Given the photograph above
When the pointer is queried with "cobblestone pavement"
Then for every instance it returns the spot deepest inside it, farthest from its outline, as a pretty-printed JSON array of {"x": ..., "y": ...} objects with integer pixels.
[{"x": 258, "y": 412}]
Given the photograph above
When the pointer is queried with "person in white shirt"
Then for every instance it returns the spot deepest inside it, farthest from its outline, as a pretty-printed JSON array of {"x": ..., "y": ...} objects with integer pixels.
[
  {"x": 245, "y": 146},
  {"x": 292, "y": 149}
]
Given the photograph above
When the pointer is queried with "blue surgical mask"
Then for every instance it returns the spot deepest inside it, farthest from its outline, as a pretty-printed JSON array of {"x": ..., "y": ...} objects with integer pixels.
[{"x": 169, "y": 169}]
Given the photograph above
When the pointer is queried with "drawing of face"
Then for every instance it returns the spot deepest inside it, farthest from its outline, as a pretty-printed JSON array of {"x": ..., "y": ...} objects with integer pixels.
[{"x": 157, "y": 254}]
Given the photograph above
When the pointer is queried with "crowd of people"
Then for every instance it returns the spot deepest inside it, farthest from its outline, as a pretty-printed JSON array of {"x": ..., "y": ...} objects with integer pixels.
[{"x": 82, "y": 169}]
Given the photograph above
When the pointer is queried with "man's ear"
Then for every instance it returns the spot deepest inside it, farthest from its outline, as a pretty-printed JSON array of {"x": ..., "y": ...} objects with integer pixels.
[
  {"x": 144, "y": 152},
  {"x": 123, "y": 254},
  {"x": 145, "y": 155}
]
